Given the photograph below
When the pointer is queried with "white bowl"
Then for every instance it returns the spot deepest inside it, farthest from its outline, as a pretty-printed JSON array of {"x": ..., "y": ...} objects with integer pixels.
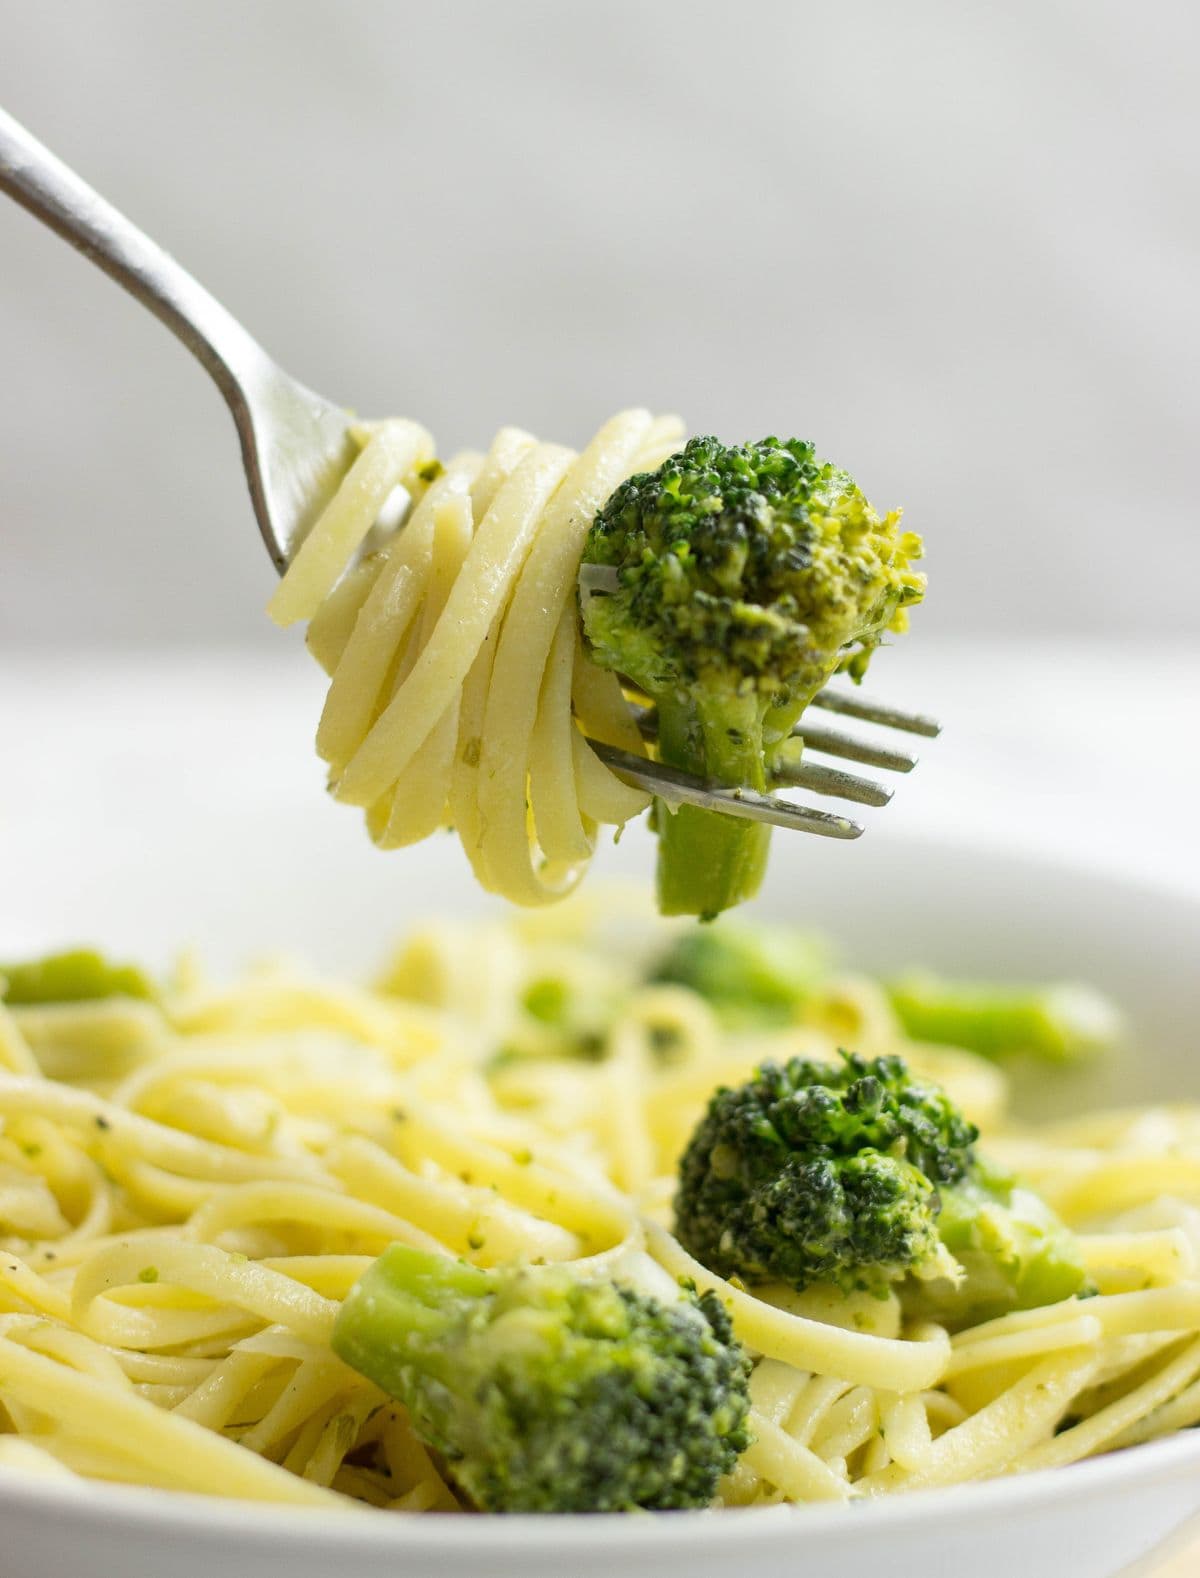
[{"x": 299, "y": 874}]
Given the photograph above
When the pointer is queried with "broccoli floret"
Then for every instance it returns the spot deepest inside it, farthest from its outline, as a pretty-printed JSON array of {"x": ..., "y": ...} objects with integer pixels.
[
  {"x": 79, "y": 975},
  {"x": 1013, "y": 1251},
  {"x": 750, "y": 975},
  {"x": 861, "y": 1176},
  {"x": 812, "y": 1173},
  {"x": 544, "y": 1392},
  {"x": 740, "y": 578},
  {"x": 1061, "y": 1023}
]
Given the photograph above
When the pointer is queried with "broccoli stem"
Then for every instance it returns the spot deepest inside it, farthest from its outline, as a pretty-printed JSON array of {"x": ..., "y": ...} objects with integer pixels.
[
  {"x": 708, "y": 862},
  {"x": 391, "y": 1316},
  {"x": 1061, "y": 1023}
]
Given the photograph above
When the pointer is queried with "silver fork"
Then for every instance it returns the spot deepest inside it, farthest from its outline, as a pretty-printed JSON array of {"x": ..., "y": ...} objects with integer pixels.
[
  {"x": 795, "y": 770},
  {"x": 296, "y": 447}
]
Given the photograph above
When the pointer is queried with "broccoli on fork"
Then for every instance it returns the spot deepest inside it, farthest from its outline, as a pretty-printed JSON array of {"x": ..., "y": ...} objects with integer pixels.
[
  {"x": 743, "y": 577},
  {"x": 544, "y": 1392},
  {"x": 861, "y": 1176}
]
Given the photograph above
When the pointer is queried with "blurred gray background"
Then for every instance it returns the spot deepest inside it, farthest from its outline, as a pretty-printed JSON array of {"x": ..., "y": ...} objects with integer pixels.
[{"x": 956, "y": 244}]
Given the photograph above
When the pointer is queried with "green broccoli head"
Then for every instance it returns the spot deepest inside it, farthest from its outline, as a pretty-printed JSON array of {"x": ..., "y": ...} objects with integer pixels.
[
  {"x": 739, "y": 579},
  {"x": 812, "y": 1173},
  {"x": 859, "y": 1175},
  {"x": 754, "y": 564},
  {"x": 544, "y": 1392}
]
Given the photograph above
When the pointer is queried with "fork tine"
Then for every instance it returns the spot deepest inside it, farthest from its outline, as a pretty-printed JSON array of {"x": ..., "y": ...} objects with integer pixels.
[
  {"x": 672, "y": 784},
  {"x": 838, "y": 701},
  {"x": 819, "y": 778},
  {"x": 872, "y": 712},
  {"x": 832, "y": 781},
  {"x": 830, "y": 743}
]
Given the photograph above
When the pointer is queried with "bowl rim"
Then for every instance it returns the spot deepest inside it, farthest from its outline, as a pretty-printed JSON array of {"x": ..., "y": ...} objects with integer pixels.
[{"x": 216, "y": 1519}]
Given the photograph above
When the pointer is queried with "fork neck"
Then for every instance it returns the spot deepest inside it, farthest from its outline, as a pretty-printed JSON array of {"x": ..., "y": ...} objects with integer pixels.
[{"x": 53, "y": 193}]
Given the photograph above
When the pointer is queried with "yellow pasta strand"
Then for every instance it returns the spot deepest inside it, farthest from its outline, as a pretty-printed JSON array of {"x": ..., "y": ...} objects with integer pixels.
[
  {"x": 200, "y": 1460},
  {"x": 394, "y": 451},
  {"x": 868, "y": 1361},
  {"x": 454, "y": 651}
]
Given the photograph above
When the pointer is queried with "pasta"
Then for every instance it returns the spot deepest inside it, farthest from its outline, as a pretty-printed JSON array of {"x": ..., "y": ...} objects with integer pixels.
[
  {"x": 458, "y": 688},
  {"x": 188, "y": 1189}
]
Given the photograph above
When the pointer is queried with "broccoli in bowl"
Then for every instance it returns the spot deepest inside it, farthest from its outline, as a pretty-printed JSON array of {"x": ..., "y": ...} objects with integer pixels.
[
  {"x": 543, "y": 1391},
  {"x": 861, "y": 1176}
]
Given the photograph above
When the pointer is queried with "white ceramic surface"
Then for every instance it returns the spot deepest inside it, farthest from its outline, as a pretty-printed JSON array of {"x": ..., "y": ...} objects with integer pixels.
[
  {"x": 1078, "y": 1523},
  {"x": 165, "y": 849}
]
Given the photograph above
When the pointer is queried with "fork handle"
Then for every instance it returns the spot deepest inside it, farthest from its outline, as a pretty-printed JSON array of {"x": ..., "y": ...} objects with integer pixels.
[{"x": 32, "y": 176}]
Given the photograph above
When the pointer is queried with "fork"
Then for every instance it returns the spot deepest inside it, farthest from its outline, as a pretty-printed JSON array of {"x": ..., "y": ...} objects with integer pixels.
[
  {"x": 794, "y": 771},
  {"x": 297, "y": 447}
]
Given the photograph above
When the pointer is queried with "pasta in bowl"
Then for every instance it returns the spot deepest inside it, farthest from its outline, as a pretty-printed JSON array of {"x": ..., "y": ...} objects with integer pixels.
[{"x": 196, "y": 1180}]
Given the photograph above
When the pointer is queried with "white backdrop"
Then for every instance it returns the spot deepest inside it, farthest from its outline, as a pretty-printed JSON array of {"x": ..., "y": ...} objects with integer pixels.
[{"x": 956, "y": 244}]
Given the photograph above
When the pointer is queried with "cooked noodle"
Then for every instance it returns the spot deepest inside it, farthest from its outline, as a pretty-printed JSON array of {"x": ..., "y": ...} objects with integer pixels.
[{"x": 459, "y": 694}]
